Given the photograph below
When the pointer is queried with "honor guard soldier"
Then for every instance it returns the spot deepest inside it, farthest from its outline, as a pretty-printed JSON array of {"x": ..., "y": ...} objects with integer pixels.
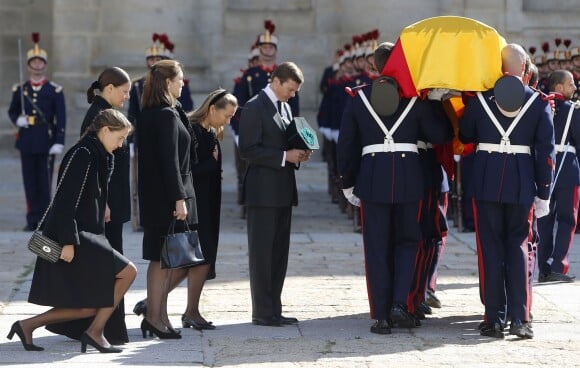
[
  {"x": 553, "y": 250},
  {"x": 162, "y": 49},
  {"x": 38, "y": 110},
  {"x": 513, "y": 172},
  {"x": 252, "y": 82},
  {"x": 380, "y": 170},
  {"x": 544, "y": 68}
]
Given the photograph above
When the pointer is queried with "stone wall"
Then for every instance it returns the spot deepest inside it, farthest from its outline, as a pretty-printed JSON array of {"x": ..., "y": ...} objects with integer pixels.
[{"x": 212, "y": 37}]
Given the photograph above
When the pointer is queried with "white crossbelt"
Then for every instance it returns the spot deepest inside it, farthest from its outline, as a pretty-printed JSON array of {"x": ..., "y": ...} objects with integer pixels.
[
  {"x": 389, "y": 144},
  {"x": 389, "y": 147},
  {"x": 504, "y": 148},
  {"x": 505, "y": 145},
  {"x": 424, "y": 145},
  {"x": 562, "y": 148}
]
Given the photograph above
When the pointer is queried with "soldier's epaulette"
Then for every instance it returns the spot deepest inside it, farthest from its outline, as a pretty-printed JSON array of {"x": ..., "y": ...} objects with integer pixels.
[
  {"x": 15, "y": 87},
  {"x": 57, "y": 87}
]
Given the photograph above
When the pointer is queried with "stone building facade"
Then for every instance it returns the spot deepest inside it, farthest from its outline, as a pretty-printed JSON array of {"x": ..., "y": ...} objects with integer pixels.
[{"x": 212, "y": 37}]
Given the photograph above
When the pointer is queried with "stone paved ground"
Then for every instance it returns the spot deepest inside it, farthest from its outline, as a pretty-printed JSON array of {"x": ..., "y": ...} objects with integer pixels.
[{"x": 325, "y": 289}]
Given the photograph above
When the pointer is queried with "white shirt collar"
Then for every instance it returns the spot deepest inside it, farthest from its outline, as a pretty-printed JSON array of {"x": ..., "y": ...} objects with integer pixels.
[{"x": 270, "y": 93}]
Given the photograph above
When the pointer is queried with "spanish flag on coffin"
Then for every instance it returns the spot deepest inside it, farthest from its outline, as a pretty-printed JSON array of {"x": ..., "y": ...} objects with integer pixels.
[{"x": 446, "y": 52}]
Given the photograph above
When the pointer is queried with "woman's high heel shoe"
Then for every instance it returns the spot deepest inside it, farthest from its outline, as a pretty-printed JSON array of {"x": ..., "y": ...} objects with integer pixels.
[
  {"x": 87, "y": 340},
  {"x": 17, "y": 329},
  {"x": 187, "y": 322},
  {"x": 146, "y": 326}
]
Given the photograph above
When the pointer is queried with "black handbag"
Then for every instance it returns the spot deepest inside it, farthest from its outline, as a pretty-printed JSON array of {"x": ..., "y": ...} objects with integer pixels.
[
  {"x": 181, "y": 250},
  {"x": 42, "y": 245}
]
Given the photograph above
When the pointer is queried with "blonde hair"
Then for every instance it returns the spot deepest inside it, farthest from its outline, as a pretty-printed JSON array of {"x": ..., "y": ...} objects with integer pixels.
[{"x": 220, "y": 98}]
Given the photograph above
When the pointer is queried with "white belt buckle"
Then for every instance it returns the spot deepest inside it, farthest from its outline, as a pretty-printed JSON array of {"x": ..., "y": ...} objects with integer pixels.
[
  {"x": 505, "y": 146},
  {"x": 389, "y": 145}
]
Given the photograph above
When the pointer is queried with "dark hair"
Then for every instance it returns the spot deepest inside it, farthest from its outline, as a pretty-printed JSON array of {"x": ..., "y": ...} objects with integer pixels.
[
  {"x": 288, "y": 70},
  {"x": 115, "y": 76},
  {"x": 155, "y": 91},
  {"x": 220, "y": 98},
  {"x": 534, "y": 75},
  {"x": 111, "y": 118},
  {"x": 382, "y": 53},
  {"x": 557, "y": 77}
]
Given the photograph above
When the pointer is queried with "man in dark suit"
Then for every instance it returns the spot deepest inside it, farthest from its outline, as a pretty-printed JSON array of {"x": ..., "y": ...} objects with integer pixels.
[{"x": 269, "y": 190}]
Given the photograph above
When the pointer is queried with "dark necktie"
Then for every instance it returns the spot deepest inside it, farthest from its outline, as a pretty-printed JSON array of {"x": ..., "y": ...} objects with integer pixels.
[{"x": 279, "y": 103}]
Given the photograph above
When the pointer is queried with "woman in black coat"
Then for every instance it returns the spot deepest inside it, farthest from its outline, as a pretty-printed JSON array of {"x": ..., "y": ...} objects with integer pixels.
[
  {"x": 114, "y": 85},
  {"x": 165, "y": 185},
  {"x": 208, "y": 122},
  {"x": 91, "y": 277}
]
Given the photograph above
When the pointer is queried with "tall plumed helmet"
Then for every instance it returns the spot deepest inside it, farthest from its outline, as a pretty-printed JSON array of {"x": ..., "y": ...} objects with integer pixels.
[
  {"x": 168, "y": 47},
  {"x": 268, "y": 36},
  {"x": 36, "y": 51},
  {"x": 567, "y": 52},
  {"x": 157, "y": 48}
]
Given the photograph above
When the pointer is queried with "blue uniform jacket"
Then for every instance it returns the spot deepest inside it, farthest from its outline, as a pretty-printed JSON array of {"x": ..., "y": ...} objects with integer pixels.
[
  {"x": 253, "y": 81},
  {"x": 511, "y": 178},
  {"x": 387, "y": 177},
  {"x": 45, "y": 132},
  {"x": 569, "y": 175}
]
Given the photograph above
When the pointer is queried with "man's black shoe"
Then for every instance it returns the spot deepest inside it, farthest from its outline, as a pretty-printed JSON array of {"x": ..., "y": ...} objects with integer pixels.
[
  {"x": 432, "y": 300},
  {"x": 288, "y": 320},
  {"x": 268, "y": 321},
  {"x": 402, "y": 318},
  {"x": 426, "y": 309},
  {"x": 419, "y": 314},
  {"x": 555, "y": 277},
  {"x": 140, "y": 308},
  {"x": 522, "y": 329},
  {"x": 492, "y": 330},
  {"x": 381, "y": 327}
]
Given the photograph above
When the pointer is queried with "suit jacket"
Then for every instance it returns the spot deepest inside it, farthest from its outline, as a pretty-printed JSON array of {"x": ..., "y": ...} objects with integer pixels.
[
  {"x": 262, "y": 143},
  {"x": 164, "y": 166},
  {"x": 387, "y": 177},
  {"x": 119, "y": 186},
  {"x": 511, "y": 178}
]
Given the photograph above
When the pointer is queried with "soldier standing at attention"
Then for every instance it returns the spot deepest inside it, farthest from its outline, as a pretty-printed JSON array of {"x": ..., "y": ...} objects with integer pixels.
[
  {"x": 565, "y": 194},
  {"x": 38, "y": 110}
]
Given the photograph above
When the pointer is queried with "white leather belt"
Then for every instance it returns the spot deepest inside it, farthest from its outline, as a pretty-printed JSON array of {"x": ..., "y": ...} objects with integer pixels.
[
  {"x": 390, "y": 147},
  {"x": 562, "y": 148},
  {"x": 424, "y": 145},
  {"x": 504, "y": 148}
]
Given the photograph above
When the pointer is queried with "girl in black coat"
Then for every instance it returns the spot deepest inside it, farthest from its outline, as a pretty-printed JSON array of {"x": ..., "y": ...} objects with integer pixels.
[
  {"x": 113, "y": 85},
  {"x": 208, "y": 122},
  {"x": 87, "y": 281},
  {"x": 165, "y": 186}
]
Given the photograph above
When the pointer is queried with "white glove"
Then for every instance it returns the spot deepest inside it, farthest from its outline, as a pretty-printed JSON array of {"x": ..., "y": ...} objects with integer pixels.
[
  {"x": 131, "y": 150},
  {"x": 22, "y": 121},
  {"x": 349, "y": 195},
  {"x": 325, "y": 133},
  {"x": 437, "y": 93},
  {"x": 56, "y": 149},
  {"x": 541, "y": 207},
  {"x": 456, "y": 158},
  {"x": 334, "y": 134}
]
